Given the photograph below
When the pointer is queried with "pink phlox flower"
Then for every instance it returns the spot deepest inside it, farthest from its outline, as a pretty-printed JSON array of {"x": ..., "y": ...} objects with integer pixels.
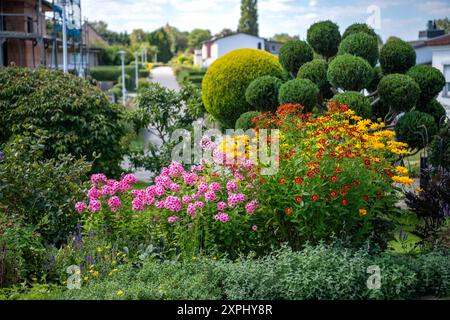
[
  {"x": 94, "y": 205},
  {"x": 80, "y": 206},
  {"x": 173, "y": 203},
  {"x": 94, "y": 193},
  {"x": 210, "y": 196},
  {"x": 172, "y": 219},
  {"x": 222, "y": 217},
  {"x": 221, "y": 206},
  {"x": 251, "y": 207},
  {"x": 186, "y": 199},
  {"x": 129, "y": 178}
]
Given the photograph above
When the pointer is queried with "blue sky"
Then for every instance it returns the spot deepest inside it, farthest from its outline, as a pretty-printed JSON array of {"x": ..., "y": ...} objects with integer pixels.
[{"x": 402, "y": 18}]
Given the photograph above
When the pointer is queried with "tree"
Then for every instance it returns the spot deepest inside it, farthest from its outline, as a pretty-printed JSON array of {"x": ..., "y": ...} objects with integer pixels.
[
  {"x": 225, "y": 32},
  {"x": 443, "y": 24},
  {"x": 161, "y": 40},
  {"x": 284, "y": 37},
  {"x": 197, "y": 36},
  {"x": 111, "y": 37},
  {"x": 248, "y": 23},
  {"x": 137, "y": 36}
]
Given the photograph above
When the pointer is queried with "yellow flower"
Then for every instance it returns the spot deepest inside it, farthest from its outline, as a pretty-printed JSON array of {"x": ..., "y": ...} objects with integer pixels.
[
  {"x": 120, "y": 292},
  {"x": 86, "y": 278},
  {"x": 401, "y": 170},
  {"x": 362, "y": 212},
  {"x": 95, "y": 274},
  {"x": 418, "y": 189},
  {"x": 403, "y": 180}
]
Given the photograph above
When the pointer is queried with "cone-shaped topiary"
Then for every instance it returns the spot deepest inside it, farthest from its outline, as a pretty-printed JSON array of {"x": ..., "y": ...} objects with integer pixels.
[
  {"x": 227, "y": 79},
  {"x": 244, "y": 122},
  {"x": 430, "y": 80},
  {"x": 294, "y": 54},
  {"x": 359, "y": 27},
  {"x": 398, "y": 92},
  {"x": 324, "y": 37},
  {"x": 362, "y": 45},
  {"x": 302, "y": 91},
  {"x": 262, "y": 93},
  {"x": 440, "y": 149},
  {"x": 316, "y": 71},
  {"x": 416, "y": 128},
  {"x": 435, "y": 109},
  {"x": 397, "y": 56},
  {"x": 349, "y": 72},
  {"x": 355, "y": 101}
]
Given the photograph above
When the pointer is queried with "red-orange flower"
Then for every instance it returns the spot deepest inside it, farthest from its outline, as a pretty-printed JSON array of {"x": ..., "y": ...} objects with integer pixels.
[
  {"x": 342, "y": 192},
  {"x": 344, "y": 202},
  {"x": 282, "y": 181},
  {"x": 346, "y": 187},
  {"x": 298, "y": 180},
  {"x": 288, "y": 211},
  {"x": 298, "y": 199},
  {"x": 365, "y": 198},
  {"x": 333, "y": 178},
  {"x": 314, "y": 197},
  {"x": 356, "y": 183},
  {"x": 292, "y": 152},
  {"x": 316, "y": 170},
  {"x": 311, "y": 174},
  {"x": 367, "y": 162},
  {"x": 333, "y": 194}
]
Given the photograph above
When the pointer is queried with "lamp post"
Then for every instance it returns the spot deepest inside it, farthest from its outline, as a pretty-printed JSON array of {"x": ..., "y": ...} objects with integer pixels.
[
  {"x": 124, "y": 89},
  {"x": 136, "y": 70},
  {"x": 64, "y": 33}
]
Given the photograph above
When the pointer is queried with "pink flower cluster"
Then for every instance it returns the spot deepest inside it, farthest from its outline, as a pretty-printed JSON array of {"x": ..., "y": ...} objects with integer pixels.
[{"x": 222, "y": 217}]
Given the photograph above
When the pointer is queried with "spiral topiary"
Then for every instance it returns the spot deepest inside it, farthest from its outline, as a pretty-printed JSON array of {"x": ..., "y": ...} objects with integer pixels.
[
  {"x": 227, "y": 79},
  {"x": 262, "y": 93},
  {"x": 359, "y": 27},
  {"x": 349, "y": 72},
  {"x": 440, "y": 149},
  {"x": 397, "y": 56},
  {"x": 411, "y": 129},
  {"x": 316, "y": 71},
  {"x": 355, "y": 101},
  {"x": 294, "y": 54},
  {"x": 362, "y": 45},
  {"x": 324, "y": 37},
  {"x": 398, "y": 92},
  {"x": 435, "y": 109},
  {"x": 302, "y": 91},
  {"x": 430, "y": 80},
  {"x": 244, "y": 122}
]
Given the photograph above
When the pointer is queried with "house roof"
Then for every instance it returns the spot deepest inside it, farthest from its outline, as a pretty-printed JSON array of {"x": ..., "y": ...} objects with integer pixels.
[
  {"x": 439, "y": 41},
  {"x": 214, "y": 39}
]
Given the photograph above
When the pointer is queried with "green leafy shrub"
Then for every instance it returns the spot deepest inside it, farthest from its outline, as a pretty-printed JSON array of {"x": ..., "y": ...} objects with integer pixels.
[
  {"x": 295, "y": 53},
  {"x": 128, "y": 82},
  {"x": 397, "y": 56},
  {"x": 262, "y": 93},
  {"x": 440, "y": 149},
  {"x": 359, "y": 27},
  {"x": 302, "y": 91},
  {"x": 430, "y": 81},
  {"x": 226, "y": 80},
  {"x": 116, "y": 91},
  {"x": 398, "y": 92},
  {"x": 377, "y": 76},
  {"x": 324, "y": 37},
  {"x": 435, "y": 109},
  {"x": 110, "y": 73},
  {"x": 362, "y": 45},
  {"x": 143, "y": 73},
  {"x": 414, "y": 128},
  {"x": 143, "y": 83},
  {"x": 316, "y": 71},
  {"x": 244, "y": 121},
  {"x": 350, "y": 72},
  {"x": 355, "y": 101}
]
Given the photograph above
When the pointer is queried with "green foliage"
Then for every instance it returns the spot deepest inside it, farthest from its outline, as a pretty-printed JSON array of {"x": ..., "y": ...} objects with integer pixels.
[
  {"x": 143, "y": 73},
  {"x": 415, "y": 128},
  {"x": 430, "y": 80},
  {"x": 349, "y": 72},
  {"x": 262, "y": 93},
  {"x": 440, "y": 149},
  {"x": 397, "y": 56},
  {"x": 398, "y": 92},
  {"x": 324, "y": 37},
  {"x": 111, "y": 56},
  {"x": 316, "y": 71},
  {"x": 377, "y": 76},
  {"x": 226, "y": 80},
  {"x": 110, "y": 73},
  {"x": 302, "y": 91},
  {"x": 293, "y": 54},
  {"x": 197, "y": 36},
  {"x": 355, "y": 101},
  {"x": 435, "y": 109},
  {"x": 359, "y": 27},
  {"x": 128, "y": 82},
  {"x": 143, "y": 83},
  {"x": 161, "y": 39},
  {"x": 362, "y": 45},
  {"x": 77, "y": 116},
  {"x": 248, "y": 23},
  {"x": 244, "y": 121}
]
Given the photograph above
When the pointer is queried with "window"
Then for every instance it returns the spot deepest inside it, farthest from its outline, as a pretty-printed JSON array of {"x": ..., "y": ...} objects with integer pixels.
[
  {"x": 446, "y": 92},
  {"x": 259, "y": 45}
]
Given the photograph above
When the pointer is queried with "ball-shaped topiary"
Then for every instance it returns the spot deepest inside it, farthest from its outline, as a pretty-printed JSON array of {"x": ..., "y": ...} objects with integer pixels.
[
  {"x": 293, "y": 54},
  {"x": 359, "y": 27},
  {"x": 244, "y": 122},
  {"x": 377, "y": 76},
  {"x": 227, "y": 79},
  {"x": 349, "y": 72},
  {"x": 355, "y": 101},
  {"x": 262, "y": 93},
  {"x": 316, "y": 71},
  {"x": 435, "y": 109},
  {"x": 440, "y": 149},
  {"x": 302, "y": 91},
  {"x": 362, "y": 45},
  {"x": 410, "y": 129},
  {"x": 398, "y": 92},
  {"x": 397, "y": 56},
  {"x": 324, "y": 37},
  {"x": 430, "y": 80}
]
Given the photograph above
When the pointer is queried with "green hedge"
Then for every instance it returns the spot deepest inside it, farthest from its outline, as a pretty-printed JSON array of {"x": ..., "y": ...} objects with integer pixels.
[{"x": 110, "y": 73}]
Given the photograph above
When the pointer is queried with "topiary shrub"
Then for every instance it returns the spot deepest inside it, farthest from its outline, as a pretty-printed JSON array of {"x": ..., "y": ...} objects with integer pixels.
[
  {"x": 77, "y": 116},
  {"x": 430, "y": 80},
  {"x": 359, "y": 27},
  {"x": 362, "y": 45},
  {"x": 316, "y": 71},
  {"x": 302, "y": 91},
  {"x": 324, "y": 37},
  {"x": 294, "y": 54},
  {"x": 355, "y": 101},
  {"x": 227, "y": 79},
  {"x": 411, "y": 129},
  {"x": 398, "y": 92},
  {"x": 397, "y": 56},
  {"x": 435, "y": 109},
  {"x": 244, "y": 121},
  {"x": 262, "y": 93},
  {"x": 349, "y": 72},
  {"x": 440, "y": 149},
  {"x": 377, "y": 76}
]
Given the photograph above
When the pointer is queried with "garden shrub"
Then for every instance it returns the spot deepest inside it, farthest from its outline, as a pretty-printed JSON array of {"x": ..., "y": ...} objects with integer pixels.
[
  {"x": 226, "y": 80},
  {"x": 128, "y": 82},
  {"x": 398, "y": 92},
  {"x": 110, "y": 73},
  {"x": 301, "y": 91},
  {"x": 78, "y": 117},
  {"x": 359, "y": 27},
  {"x": 116, "y": 91},
  {"x": 430, "y": 81},
  {"x": 293, "y": 54},
  {"x": 362, "y": 45},
  {"x": 377, "y": 76},
  {"x": 397, "y": 56},
  {"x": 414, "y": 128},
  {"x": 143, "y": 83},
  {"x": 262, "y": 93},
  {"x": 435, "y": 109},
  {"x": 316, "y": 71},
  {"x": 324, "y": 37},
  {"x": 244, "y": 122},
  {"x": 349, "y": 72},
  {"x": 355, "y": 101},
  {"x": 440, "y": 149},
  {"x": 143, "y": 73}
]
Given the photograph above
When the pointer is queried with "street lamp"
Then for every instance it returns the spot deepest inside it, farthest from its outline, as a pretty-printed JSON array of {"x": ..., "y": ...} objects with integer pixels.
[
  {"x": 136, "y": 69},
  {"x": 64, "y": 33},
  {"x": 124, "y": 89}
]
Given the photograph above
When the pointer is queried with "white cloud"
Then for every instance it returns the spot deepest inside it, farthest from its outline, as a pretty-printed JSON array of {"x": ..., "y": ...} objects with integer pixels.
[{"x": 438, "y": 8}]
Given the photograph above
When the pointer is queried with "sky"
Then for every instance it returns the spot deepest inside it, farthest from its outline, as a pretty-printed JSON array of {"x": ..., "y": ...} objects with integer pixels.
[{"x": 401, "y": 18}]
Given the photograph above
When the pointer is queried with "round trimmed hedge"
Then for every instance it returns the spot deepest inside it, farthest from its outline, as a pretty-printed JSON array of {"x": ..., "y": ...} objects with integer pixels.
[
  {"x": 397, "y": 56},
  {"x": 302, "y": 91},
  {"x": 430, "y": 80},
  {"x": 293, "y": 54},
  {"x": 359, "y": 27},
  {"x": 410, "y": 129},
  {"x": 440, "y": 149},
  {"x": 435, "y": 109},
  {"x": 324, "y": 37},
  {"x": 355, "y": 101},
  {"x": 244, "y": 121},
  {"x": 349, "y": 72},
  {"x": 398, "y": 91},
  {"x": 362, "y": 45},
  {"x": 262, "y": 93},
  {"x": 227, "y": 79},
  {"x": 316, "y": 71}
]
